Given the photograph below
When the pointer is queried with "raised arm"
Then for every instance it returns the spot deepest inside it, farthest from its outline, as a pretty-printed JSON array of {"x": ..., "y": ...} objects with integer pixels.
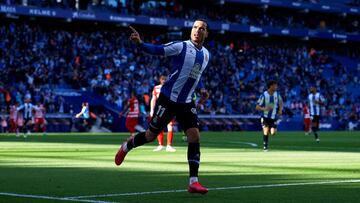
[
  {"x": 321, "y": 100},
  {"x": 135, "y": 36},
  {"x": 81, "y": 112},
  {"x": 172, "y": 48},
  {"x": 20, "y": 107}
]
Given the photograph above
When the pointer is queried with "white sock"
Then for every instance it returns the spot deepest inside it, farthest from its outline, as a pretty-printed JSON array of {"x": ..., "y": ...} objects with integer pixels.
[
  {"x": 124, "y": 147},
  {"x": 193, "y": 180}
]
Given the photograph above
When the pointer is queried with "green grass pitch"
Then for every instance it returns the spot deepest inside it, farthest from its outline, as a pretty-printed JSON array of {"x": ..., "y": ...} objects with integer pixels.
[{"x": 62, "y": 167}]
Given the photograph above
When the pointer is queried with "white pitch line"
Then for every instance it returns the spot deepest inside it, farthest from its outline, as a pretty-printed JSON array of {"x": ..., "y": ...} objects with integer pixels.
[
  {"x": 285, "y": 184},
  {"x": 248, "y": 143},
  {"x": 129, "y": 194},
  {"x": 51, "y": 198},
  {"x": 219, "y": 188},
  {"x": 238, "y": 142}
]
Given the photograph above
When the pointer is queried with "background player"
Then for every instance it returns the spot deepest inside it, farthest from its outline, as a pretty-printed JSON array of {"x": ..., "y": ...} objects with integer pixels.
[
  {"x": 132, "y": 115},
  {"x": 40, "y": 118},
  {"x": 170, "y": 134},
  {"x": 307, "y": 120},
  {"x": 316, "y": 100},
  {"x": 85, "y": 113},
  {"x": 13, "y": 119},
  {"x": 190, "y": 59},
  {"x": 19, "y": 123},
  {"x": 27, "y": 108},
  {"x": 271, "y": 105}
]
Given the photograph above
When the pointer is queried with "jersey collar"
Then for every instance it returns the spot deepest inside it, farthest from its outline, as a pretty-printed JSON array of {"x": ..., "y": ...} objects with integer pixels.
[{"x": 197, "y": 49}]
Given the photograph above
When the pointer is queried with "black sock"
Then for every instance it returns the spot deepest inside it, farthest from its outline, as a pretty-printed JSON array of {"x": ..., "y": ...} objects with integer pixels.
[
  {"x": 138, "y": 140},
  {"x": 314, "y": 129},
  {"x": 266, "y": 140},
  {"x": 25, "y": 128},
  {"x": 193, "y": 155}
]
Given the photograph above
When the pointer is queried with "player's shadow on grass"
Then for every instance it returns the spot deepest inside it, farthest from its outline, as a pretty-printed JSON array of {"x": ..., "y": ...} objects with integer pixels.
[{"x": 79, "y": 181}]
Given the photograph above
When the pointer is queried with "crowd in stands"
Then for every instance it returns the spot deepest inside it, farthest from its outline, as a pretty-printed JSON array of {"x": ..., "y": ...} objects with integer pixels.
[
  {"x": 229, "y": 12},
  {"x": 296, "y": 68},
  {"x": 33, "y": 60},
  {"x": 27, "y": 70},
  {"x": 12, "y": 93}
]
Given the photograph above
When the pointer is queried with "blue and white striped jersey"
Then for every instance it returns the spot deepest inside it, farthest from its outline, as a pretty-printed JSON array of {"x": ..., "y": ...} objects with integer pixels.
[
  {"x": 274, "y": 101},
  {"x": 28, "y": 108},
  {"x": 188, "y": 64},
  {"x": 86, "y": 112},
  {"x": 313, "y": 105}
]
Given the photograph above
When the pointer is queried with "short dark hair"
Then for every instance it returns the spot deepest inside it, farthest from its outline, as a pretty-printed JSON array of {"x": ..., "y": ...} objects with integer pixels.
[
  {"x": 271, "y": 83},
  {"x": 205, "y": 21},
  {"x": 313, "y": 87}
]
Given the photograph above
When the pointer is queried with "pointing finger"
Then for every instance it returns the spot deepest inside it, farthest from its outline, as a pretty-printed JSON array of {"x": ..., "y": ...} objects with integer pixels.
[{"x": 133, "y": 29}]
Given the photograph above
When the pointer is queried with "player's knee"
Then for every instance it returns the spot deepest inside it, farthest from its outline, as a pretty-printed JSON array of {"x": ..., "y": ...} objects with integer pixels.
[
  {"x": 273, "y": 131},
  {"x": 169, "y": 127},
  {"x": 266, "y": 130},
  {"x": 193, "y": 135}
]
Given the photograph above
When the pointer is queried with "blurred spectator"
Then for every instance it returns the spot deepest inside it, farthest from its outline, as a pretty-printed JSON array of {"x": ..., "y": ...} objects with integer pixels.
[{"x": 107, "y": 120}]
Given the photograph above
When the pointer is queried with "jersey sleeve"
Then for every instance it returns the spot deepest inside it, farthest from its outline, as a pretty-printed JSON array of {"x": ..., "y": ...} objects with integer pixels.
[
  {"x": 173, "y": 48},
  {"x": 261, "y": 100},
  {"x": 152, "y": 49},
  {"x": 169, "y": 49}
]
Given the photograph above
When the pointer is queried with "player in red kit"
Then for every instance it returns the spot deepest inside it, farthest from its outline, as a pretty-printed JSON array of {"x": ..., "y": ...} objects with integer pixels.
[
  {"x": 20, "y": 121},
  {"x": 13, "y": 118},
  {"x": 170, "y": 134},
  {"x": 133, "y": 114},
  {"x": 307, "y": 120},
  {"x": 40, "y": 118}
]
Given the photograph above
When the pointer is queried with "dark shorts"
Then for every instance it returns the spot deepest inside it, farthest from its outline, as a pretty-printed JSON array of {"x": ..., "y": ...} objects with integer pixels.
[
  {"x": 268, "y": 122},
  {"x": 28, "y": 121},
  {"x": 166, "y": 110},
  {"x": 315, "y": 118}
]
